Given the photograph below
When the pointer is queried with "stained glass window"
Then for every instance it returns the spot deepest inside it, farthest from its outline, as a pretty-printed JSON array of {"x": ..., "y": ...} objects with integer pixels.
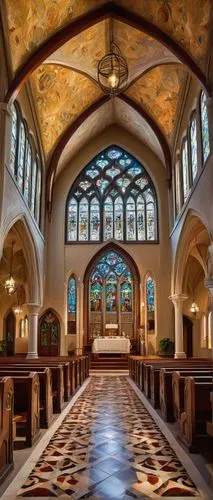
[
  {"x": 13, "y": 138},
  {"x": 27, "y": 172},
  {"x": 150, "y": 294},
  {"x": 102, "y": 210},
  {"x": 94, "y": 220},
  {"x": 193, "y": 142},
  {"x": 204, "y": 126},
  {"x": 72, "y": 295},
  {"x": 24, "y": 163},
  {"x": 185, "y": 169},
  {"x": 130, "y": 220},
  {"x": 96, "y": 293},
  {"x": 21, "y": 156}
]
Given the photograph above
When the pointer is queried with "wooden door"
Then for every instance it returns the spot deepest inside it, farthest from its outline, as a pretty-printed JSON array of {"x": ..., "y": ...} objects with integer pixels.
[
  {"x": 187, "y": 337},
  {"x": 49, "y": 335},
  {"x": 10, "y": 332}
]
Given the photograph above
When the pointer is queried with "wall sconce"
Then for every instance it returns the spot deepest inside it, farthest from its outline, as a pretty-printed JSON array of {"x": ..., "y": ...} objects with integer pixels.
[{"x": 194, "y": 309}]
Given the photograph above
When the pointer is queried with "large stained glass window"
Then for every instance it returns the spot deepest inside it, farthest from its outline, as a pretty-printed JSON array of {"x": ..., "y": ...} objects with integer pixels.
[
  {"x": 204, "y": 126},
  {"x": 24, "y": 163},
  {"x": 185, "y": 169},
  {"x": 113, "y": 197},
  {"x": 193, "y": 143}
]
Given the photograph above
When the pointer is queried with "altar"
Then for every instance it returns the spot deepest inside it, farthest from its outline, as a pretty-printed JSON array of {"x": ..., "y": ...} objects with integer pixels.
[{"x": 111, "y": 345}]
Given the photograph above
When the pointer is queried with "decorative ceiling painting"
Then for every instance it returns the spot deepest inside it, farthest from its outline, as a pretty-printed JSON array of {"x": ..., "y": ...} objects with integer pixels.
[
  {"x": 160, "y": 91},
  {"x": 61, "y": 95},
  {"x": 30, "y": 23}
]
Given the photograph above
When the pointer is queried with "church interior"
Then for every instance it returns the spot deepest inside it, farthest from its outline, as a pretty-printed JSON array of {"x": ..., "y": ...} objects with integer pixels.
[{"x": 106, "y": 249}]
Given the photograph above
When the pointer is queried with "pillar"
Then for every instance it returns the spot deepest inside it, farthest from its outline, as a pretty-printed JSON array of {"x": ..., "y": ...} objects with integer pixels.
[
  {"x": 33, "y": 310},
  {"x": 5, "y": 144},
  {"x": 178, "y": 300},
  {"x": 78, "y": 316}
]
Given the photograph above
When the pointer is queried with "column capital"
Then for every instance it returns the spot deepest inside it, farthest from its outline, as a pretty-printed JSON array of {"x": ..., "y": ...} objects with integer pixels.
[
  {"x": 33, "y": 308},
  {"x": 208, "y": 283},
  {"x": 178, "y": 298}
]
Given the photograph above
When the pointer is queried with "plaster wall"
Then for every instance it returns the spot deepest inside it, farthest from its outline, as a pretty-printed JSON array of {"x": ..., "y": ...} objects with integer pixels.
[{"x": 62, "y": 260}]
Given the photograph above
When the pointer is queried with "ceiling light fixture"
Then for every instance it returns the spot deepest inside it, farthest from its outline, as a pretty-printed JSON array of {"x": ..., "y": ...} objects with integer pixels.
[{"x": 112, "y": 69}]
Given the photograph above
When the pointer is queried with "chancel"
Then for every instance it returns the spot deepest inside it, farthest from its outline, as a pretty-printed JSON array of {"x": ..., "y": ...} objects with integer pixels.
[{"x": 106, "y": 249}]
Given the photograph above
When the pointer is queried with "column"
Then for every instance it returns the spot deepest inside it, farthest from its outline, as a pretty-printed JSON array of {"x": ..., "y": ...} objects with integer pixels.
[
  {"x": 5, "y": 144},
  {"x": 78, "y": 317},
  {"x": 210, "y": 117},
  {"x": 33, "y": 310},
  {"x": 178, "y": 300},
  {"x": 209, "y": 285}
]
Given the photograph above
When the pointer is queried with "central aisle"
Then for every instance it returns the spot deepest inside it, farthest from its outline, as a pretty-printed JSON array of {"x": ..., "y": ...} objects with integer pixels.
[{"x": 108, "y": 446}]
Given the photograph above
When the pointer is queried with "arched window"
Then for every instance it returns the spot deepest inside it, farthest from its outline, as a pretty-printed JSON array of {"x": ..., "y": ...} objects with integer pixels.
[
  {"x": 193, "y": 148},
  {"x": 178, "y": 190},
  {"x": 203, "y": 330},
  {"x": 14, "y": 138},
  {"x": 204, "y": 126},
  {"x": 150, "y": 304},
  {"x": 71, "y": 305},
  {"x": 25, "y": 163},
  {"x": 21, "y": 155},
  {"x": 185, "y": 169},
  {"x": 113, "y": 197}
]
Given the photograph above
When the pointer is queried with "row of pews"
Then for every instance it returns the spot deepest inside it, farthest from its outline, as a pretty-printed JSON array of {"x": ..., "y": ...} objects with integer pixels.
[
  {"x": 31, "y": 391},
  {"x": 181, "y": 389}
]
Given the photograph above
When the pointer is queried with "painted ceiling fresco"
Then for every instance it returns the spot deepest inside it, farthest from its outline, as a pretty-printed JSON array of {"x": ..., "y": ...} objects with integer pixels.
[
  {"x": 30, "y": 23},
  {"x": 61, "y": 95},
  {"x": 85, "y": 50},
  {"x": 160, "y": 91}
]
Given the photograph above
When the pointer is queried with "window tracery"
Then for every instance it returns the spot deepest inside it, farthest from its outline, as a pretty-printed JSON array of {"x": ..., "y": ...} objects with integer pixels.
[{"x": 113, "y": 197}]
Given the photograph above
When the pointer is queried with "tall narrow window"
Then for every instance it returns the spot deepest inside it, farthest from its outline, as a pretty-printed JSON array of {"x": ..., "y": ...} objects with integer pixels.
[
  {"x": 150, "y": 304},
  {"x": 38, "y": 194},
  {"x": 141, "y": 219},
  {"x": 108, "y": 218},
  {"x": 14, "y": 138},
  {"x": 83, "y": 220},
  {"x": 21, "y": 156},
  {"x": 150, "y": 216},
  {"x": 27, "y": 172},
  {"x": 33, "y": 188},
  {"x": 118, "y": 215},
  {"x": 193, "y": 142},
  {"x": 72, "y": 220},
  {"x": 130, "y": 220},
  {"x": 94, "y": 220},
  {"x": 177, "y": 186},
  {"x": 185, "y": 169},
  {"x": 204, "y": 126},
  {"x": 110, "y": 196},
  {"x": 71, "y": 305}
]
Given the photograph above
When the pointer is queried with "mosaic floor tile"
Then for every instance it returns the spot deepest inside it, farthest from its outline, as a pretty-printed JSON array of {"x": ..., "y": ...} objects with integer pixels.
[{"x": 108, "y": 447}]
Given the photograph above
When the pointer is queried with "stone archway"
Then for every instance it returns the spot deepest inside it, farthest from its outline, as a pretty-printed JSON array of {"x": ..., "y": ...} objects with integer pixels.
[
  {"x": 49, "y": 334},
  {"x": 118, "y": 298}
]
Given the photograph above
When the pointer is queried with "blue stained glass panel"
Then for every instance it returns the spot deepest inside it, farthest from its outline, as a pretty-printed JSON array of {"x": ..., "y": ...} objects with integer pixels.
[
  {"x": 133, "y": 171},
  {"x": 142, "y": 182},
  {"x": 71, "y": 295},
  {"x": 150, "y": 294},
  {"x": 92, "y": 172},
  {"x": 204, "y": 126},
  {"x": 85, "y": 185},
  {"x": 102, "y": 184},
  {"x": 185, "y": 169},
  {"x": 102, "y": 162},
  {"x": 125, "y": 161},
  {"x": 193, "y": 140},
  {"x": 114, "y": 154},
  {"x": 120, "y": 268},
  {"x": 103, "y": 269},
  {"x": 13, "y": 138},
  {"x": 111, "y": 297},
  {"x": 123, "y": 183},
  {"x": 96, "y": 297},
  {"x": 126, "y": 297},
  {"x": 21, "y": 156},
  {"x": 112, "y": 172}
]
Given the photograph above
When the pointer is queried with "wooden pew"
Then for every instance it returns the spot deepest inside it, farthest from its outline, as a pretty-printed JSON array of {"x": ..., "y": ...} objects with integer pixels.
[
  {"x": 46, "y": 396},
  {"x": 197, "y": 410},
  {"x": 166, "y": 394},
  {"x": 6, "y": 426},
  {"x": 178, "y": 380},
  {"x": 26, "y": 404}
]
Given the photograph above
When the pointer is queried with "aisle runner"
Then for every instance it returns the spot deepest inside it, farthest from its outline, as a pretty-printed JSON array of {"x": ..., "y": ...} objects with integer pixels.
[{"x": 108, "y": 447}]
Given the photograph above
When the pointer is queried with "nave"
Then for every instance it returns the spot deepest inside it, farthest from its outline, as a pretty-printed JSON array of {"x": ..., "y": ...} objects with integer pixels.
[{"x": 110, "y": 445}]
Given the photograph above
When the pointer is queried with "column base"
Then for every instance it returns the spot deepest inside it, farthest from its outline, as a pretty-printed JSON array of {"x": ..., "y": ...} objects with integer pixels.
[
  {"x": 78, "y": 351},
  {"x": 32, "y": 355},
  {"x": 180, "y": 355}
]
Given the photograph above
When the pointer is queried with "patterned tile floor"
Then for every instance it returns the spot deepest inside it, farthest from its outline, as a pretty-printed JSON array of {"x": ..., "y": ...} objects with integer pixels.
[{"x": 108, "y": 447}]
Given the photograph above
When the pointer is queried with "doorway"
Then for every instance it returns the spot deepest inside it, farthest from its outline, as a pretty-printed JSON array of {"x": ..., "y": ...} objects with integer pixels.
[
  {"x": 187, "y": 337},
  {"x": 10, "y": 332},
  {"x": 49, "y": 334}
]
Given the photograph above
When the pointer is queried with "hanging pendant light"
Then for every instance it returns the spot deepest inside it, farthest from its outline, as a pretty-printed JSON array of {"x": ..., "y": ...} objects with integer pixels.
[
  {"x": 10, "y": 284},
  {"x": 112, "y": 69}
]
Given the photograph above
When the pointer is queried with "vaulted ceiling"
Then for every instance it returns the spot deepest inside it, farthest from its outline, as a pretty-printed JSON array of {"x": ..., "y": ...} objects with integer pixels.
[{"x": 55, "y": 45}]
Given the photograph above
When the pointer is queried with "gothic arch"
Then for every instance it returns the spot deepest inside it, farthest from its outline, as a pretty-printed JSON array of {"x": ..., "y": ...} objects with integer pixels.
[
  {"x": 49, "y": 338},
  {"x": 136, "y": 284}
]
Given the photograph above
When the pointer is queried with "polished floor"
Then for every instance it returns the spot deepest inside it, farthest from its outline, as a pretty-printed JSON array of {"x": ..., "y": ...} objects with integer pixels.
[{"x": 108, "y": 447}]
